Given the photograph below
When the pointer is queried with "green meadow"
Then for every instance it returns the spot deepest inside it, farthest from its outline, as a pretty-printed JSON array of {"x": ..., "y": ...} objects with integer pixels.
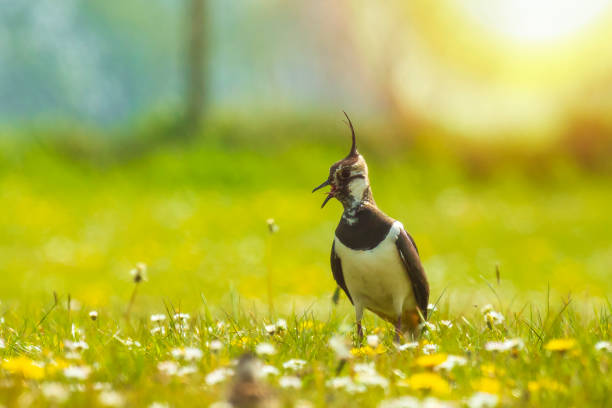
[{"x": 532, "y": 241}]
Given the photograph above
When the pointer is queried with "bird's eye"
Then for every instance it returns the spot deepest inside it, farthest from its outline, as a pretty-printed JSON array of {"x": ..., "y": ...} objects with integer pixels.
[{"x": 345, "y": 173}]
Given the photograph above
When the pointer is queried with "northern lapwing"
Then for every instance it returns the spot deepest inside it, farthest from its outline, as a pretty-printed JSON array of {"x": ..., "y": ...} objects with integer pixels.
[{"x": 373, "y": 259}]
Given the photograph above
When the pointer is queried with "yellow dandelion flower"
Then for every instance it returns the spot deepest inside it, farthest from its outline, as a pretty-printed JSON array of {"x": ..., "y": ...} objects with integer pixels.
[
  {"x": 432, "y": 360},
  {"x": 490, "y": 370},
  {"x": 25, "y": 367},
  {"x": 560, "y": 344},
  {"x": 428, "y": 382},
  {"x": 545, "y": 384},
  {"x": 57, "y": 365},
  {"x": 368, "y": 351},
  {"x": 488, "y": 385}
]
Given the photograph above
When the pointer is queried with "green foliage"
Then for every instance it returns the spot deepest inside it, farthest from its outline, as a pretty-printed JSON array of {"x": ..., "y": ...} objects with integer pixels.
[{"x": 197, "y": 216}]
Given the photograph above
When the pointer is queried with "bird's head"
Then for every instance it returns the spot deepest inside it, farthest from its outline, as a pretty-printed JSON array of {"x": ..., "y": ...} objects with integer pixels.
[{"x": 348, "y": 178}]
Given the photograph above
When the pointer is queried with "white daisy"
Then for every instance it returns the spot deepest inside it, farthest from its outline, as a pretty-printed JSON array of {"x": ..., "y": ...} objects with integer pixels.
[
  {"x": 294, "y": 364},
  {"x": 265, "y": 349},
  {"x": 266, "y": 370},
  {"x": 158, "y": 317},
  {"x": 505, "y": 345},
  {"x": 219, "y": 375},
  {"x": 600, "y": 346},
  {"x": 430, "y": 348},
  {"x": 76, "y": 345},
  {"x": 77, "y": 372},
  {"x": 215, "y": 345},
  {"x": 111, "y": 399},
  {"x": 339, "y": 346},
  {"x": 168, "y": 367},
  {"x": 451, "y": 362},
  {"x": 289, "y": 381},
  {"x": 482, "y": 400},
  {"x": 56, "y": 392},
  {"x": 372, "y": 340},
  {"x": 408, "y": 346}
]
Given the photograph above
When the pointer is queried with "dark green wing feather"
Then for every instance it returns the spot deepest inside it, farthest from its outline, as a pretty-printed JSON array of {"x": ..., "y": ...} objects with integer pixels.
[
  {"x": 336, "y": 267},
  {"x": 416, "y": 273}
]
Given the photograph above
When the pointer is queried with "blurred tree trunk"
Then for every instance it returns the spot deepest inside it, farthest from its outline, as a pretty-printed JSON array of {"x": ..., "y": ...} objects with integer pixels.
[{"x": 195, "y": 66}]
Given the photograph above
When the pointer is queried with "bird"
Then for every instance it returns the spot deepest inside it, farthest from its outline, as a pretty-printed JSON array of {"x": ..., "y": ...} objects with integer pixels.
[
  {"x": 247, "y": 391},
  {"x": 373, "y": 259}
]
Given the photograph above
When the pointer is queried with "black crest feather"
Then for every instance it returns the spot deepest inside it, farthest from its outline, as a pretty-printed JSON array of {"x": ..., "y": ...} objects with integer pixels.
[{"x": 353, "y": 151}]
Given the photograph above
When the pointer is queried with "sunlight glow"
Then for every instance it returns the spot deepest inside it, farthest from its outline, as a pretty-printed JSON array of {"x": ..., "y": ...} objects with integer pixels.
[{"x": 535, "y": 21}]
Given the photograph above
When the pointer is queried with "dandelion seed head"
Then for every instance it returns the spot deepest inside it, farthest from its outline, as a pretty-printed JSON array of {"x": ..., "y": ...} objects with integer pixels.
[
  {"x": 272, "y": 226},
  {"x": 139, "y": 273}
]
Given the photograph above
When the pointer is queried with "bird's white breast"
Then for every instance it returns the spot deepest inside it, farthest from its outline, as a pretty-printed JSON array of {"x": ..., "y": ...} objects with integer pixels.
[{"x": 376, "y": 278}]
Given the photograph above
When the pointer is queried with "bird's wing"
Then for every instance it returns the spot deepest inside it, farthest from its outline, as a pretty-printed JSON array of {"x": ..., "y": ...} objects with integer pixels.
[
  {"x": 336, "y": 266},
  {"x": 416, "y": 273}
]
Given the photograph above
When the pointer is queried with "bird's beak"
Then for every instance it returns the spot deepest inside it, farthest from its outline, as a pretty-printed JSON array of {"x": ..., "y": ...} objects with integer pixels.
[{"x": 329, "y": 195}]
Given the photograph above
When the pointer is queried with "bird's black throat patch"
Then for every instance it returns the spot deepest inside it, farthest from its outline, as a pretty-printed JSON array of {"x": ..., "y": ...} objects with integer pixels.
[{"x": 369, "y": 228}]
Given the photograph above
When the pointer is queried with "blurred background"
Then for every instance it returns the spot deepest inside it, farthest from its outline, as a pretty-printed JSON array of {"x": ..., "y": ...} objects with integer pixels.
[{"x": 168, "y": 132}]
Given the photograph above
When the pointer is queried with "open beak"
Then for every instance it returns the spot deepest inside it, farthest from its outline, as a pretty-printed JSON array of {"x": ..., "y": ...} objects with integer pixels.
[{"x": 329, "y": 195}]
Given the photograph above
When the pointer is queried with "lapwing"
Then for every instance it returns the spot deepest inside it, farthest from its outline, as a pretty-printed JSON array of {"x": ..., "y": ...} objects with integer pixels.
[{"x": 373, "y": 259}]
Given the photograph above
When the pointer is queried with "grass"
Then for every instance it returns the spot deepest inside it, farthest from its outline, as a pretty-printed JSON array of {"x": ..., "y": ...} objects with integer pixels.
[
  {"x": 138, "y": 364},
  {"x": 197, "y": 218}
]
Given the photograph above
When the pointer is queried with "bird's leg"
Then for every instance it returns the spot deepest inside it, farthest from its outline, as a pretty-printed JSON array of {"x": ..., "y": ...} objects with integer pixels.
[
  {"x": 359, "y": 331},
  {"x": 358, "y": 316},
  {"x": 398, "y": 330}
]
